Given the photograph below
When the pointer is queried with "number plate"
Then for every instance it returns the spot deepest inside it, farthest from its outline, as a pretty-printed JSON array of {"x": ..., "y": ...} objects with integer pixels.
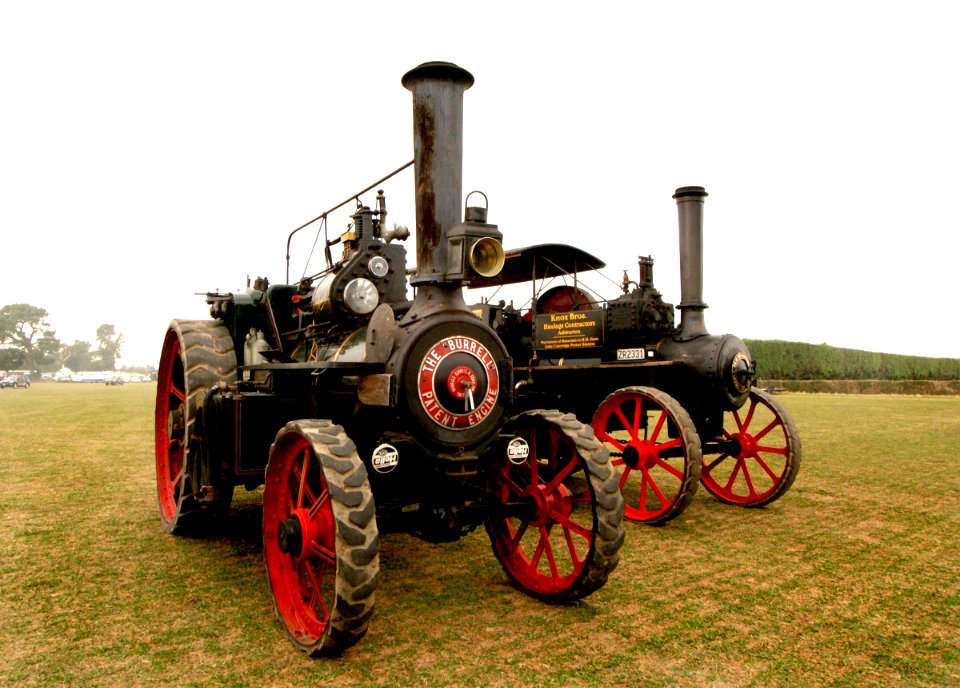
[{"x": 630, "y": 354}]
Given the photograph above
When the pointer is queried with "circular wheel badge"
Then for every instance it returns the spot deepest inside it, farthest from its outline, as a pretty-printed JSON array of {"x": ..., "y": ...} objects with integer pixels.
[
  {"x": 385, "y": 458},
  {"x": 458, "y": 383},
  {"x": 518, "y": 450}
]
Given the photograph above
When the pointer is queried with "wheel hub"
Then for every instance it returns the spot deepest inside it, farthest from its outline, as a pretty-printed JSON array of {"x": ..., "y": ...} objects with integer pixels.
[
  {"x": 748, "y": 444},
  {"x": 295, "y": 534},
  {"x": 547, "y": 503},
  {"x": 631, "y": 457},
  {"x": 642, "y": 454},
  {"x": 290, "y": 536}
]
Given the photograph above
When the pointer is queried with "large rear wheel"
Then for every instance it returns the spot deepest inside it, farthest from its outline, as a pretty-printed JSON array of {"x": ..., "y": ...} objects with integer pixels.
[
  {"x": 762, "y": 457},
  {"x": 654, "y": 445},
  {"x": 320, "y": 538},
  {"x": 191, "y": 484},
  {"x": 556, "y": 517}
]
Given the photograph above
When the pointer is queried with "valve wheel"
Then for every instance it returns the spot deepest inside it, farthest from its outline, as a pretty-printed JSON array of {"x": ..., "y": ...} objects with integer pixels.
[
  {"x": 556, "y": 518},
  {"x": 320, "y": 539},
  {"x": 654, "y": 445},
  {"x": 196, "y": 355},
  {"x": 762, "y": 458}
]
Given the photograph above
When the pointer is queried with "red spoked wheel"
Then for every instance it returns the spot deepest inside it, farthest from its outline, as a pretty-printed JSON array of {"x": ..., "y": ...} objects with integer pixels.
[
  {"x": 556, "y": 518},
  {"x": 654, "y": 445},
  {"x": 762, "y": 457},
  {"x": 320, "y": 538},
  {"x": 196, "y": 355}
]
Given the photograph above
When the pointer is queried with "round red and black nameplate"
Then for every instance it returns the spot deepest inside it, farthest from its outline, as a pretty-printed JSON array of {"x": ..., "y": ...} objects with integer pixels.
[{"x": 458, "y": 383}]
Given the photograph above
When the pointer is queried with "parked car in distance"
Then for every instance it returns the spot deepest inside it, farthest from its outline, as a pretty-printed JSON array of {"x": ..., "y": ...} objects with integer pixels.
[{"x": 21, "y": 381}]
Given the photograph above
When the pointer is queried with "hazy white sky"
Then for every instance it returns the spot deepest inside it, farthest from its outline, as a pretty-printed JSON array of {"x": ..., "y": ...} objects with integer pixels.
[{"x": 149, "y": 151}]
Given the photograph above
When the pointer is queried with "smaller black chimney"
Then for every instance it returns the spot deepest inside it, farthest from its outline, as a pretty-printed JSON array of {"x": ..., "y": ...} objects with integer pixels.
[{"x": 690, "y": 209}]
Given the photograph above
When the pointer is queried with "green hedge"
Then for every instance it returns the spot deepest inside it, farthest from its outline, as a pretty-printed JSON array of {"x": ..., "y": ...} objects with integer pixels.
[{"x": 797, "y": 361}]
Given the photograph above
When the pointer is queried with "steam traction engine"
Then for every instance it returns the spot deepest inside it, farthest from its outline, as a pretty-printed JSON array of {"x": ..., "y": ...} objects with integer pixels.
[
  {"x": 676, "y": 406},
  {"x": 360, "y": 410}
]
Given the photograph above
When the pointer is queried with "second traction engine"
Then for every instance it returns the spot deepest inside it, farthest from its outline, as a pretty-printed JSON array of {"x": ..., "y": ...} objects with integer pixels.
[{"x": 676, "y": 406}]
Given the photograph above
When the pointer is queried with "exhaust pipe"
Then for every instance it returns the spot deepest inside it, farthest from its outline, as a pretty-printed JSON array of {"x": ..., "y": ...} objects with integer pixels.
[
  {"x": 690, "y": 209},
  {"x": 437, "y": 89}
]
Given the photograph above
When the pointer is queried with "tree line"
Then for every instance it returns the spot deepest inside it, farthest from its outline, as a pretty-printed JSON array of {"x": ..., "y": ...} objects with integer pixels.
[
  {"x": 778, "y": 360},
  {"x": 27, "y": 342}
]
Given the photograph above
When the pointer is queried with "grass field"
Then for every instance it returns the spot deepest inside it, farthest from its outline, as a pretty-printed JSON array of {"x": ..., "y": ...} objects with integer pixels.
[{"x": 852, "y": 579}]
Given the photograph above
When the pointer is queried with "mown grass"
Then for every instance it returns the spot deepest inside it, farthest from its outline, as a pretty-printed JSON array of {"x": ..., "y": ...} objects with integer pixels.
[{"x": 850, "y": 580}]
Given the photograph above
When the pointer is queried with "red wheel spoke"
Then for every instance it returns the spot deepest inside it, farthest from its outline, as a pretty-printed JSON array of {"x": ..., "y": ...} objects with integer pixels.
[
  {"x": 318, "y": 504},
  {"x": 644, "y": 478},
  {"x": 538, "y": 552},
  {"x": 323, "y": 553},
  {"x": 509, "y": 483},
  {"x": 316, "y": 601},
  {"x": 749, "y": 418},
  {"x": 733, "y": 475},
  {"x": 659, "y": 427},
  {"x": 623, "y": 476},
  {"x": 713, "y": 464},
  {"x": 677, "y": 442},
  {"x": 769, "y": 471},
  {"x": 548, "y": 548},
  {"x": 774, "y": 423},
  {"x": 571, "y": 525},
  {"x": 747, "y": 479},
  {"x": 574, "y": 555},
  {"x": 656, "y": 488},
  {"x": 637, "y": 412},
  {"x": 175, "y": 482},
  {"x": 630, "y": 428},
  {"x": 518, "y": 536},
  {"x": 769, "y": 450},
  {"x": 672, "y": 470},
  {"x": 301, "y": 477},
  {"x": 607, "y": 437},
  {"x": 562, "y": 475}
]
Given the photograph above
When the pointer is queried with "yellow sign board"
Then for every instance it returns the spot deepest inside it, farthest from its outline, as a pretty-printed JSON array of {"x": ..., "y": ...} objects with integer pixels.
[{"x": 571, "y": 330}]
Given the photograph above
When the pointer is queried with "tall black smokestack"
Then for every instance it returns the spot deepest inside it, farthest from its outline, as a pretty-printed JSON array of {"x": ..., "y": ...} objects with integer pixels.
[
  {"x": 437, "y": 89},
  {"x": 690, "y": 209}
]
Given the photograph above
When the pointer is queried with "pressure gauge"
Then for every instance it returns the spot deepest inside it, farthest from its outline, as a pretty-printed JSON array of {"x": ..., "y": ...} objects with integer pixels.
[
  {"x": 361, "y": 296},
  {"x": 378, "y": 266}
]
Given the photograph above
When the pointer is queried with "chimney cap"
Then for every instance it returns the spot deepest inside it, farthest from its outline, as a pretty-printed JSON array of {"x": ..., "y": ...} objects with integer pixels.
[
  {"x": 687, "y": 191},
  {"x": 438, "y": 70}
]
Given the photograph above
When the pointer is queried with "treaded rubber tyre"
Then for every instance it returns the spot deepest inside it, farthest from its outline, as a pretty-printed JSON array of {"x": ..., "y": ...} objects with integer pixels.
[
  {"x": 556, "y": 519},
  {"x": 196, "y": 355},
  {"x": 320, "y": 539}
]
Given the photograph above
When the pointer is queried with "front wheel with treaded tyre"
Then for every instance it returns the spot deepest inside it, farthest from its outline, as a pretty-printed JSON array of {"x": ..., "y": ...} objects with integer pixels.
[
  {"x": 320, "y": 540},
  {"x": 555, "y": 519}
]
